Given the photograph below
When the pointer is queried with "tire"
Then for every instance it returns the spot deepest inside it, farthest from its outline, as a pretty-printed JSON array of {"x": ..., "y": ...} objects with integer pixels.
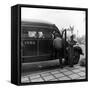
[
  {"x": 83, "y": 62},
  {"x": 76, "y": 58}
]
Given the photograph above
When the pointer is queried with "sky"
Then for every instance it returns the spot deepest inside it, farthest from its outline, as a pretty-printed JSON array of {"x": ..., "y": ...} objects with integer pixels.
[{"x": 61, "y": 18}]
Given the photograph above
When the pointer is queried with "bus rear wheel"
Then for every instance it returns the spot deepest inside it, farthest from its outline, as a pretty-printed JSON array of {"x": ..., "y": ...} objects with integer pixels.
[{"x": 76, "y": 58}]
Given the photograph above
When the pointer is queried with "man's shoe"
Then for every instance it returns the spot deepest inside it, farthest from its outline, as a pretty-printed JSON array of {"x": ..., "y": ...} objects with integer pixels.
[
  {"x": 71, "y": 66},
  {"x": 61, "y": 66}
]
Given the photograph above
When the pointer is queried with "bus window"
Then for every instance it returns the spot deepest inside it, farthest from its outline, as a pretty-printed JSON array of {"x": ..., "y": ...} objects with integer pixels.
[
  {"x": 32, "y": 34},
  {"x": 41, "y": 35},
  {"x": 46, "y": 35}
]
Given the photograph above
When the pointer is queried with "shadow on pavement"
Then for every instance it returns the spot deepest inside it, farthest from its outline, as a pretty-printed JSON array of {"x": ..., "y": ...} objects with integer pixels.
[{"x": 29, "y": 68}]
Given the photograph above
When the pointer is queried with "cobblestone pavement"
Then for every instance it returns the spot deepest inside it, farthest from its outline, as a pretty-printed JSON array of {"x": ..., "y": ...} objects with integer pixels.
[{"x": 67, "y": 73}]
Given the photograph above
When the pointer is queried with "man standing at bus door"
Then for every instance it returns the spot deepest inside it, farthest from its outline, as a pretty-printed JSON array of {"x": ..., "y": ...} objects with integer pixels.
[
  {"x": 57, "y": 44},
  {"x": 72, "y": 42}
]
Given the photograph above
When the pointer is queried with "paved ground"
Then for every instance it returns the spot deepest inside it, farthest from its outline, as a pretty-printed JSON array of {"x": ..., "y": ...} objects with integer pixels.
[
  {"x": 67, "y": 73},
  {"x": 33, "y": 72}
]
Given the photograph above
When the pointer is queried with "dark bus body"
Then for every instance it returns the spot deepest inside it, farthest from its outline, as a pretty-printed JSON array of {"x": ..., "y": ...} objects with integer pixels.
[{"x": 37, "y": 41}]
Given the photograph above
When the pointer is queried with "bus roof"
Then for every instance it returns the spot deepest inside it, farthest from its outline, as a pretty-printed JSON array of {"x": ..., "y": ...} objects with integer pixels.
[
  {"x": 37, "y": 23},
  {"x": 40, "y": 24}
]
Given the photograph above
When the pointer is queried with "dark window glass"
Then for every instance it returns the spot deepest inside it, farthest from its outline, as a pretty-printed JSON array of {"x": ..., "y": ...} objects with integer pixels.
[
  {"x": 43, "y": 34},
  {"x": 32, "y": 34}
]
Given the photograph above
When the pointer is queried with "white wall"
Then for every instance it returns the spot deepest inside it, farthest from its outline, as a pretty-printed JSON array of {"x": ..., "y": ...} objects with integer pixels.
[
  {"x": 5, "y": 44},
  {"x": 61, "y": 18}
]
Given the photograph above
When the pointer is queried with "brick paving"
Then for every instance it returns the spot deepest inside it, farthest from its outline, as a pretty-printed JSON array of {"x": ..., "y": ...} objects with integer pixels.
[{"x": 67, "y": 73}]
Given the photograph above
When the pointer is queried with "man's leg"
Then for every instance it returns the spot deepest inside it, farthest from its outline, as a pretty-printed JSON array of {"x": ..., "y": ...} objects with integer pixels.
[
  {"x": 71, "y": 58},
  {"x": 60, "y": 61},
  {"x": 56, "y": 53},
  {"x": 60, "y": 58},
  {"x": 71, "y": 62}
]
